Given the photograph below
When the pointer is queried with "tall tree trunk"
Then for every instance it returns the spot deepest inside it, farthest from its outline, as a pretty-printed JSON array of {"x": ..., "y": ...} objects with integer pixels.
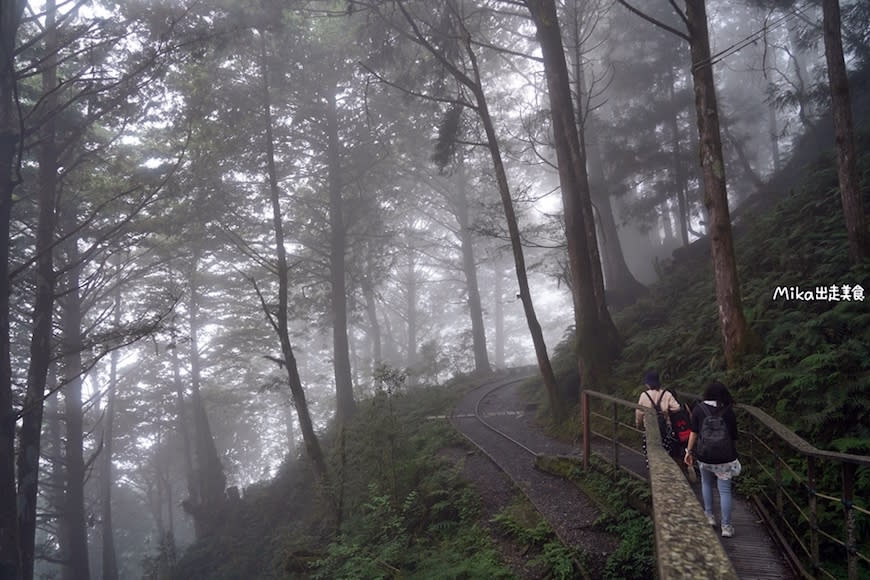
[
  {"x": 312, "y": 445},
  {"x": 597, "y": 338},
  {"x": 72, "y": 344},
  {"x": 391, "y": 346},
  {"x": 411, "y": 310},
  {"x": 374, "y": 327},
  {"x": 695, "y": 145},
  {"x": 557, "y": 409},
  {"x": 53, "y": 450},
  {"x": 498, "y": 298},
  {"x": 110, "y": 559},
  {"x": 841, "y": 105},
  {"x": 40, "y": 345},
  {"x": 667, "y": 225},
  {"x": 290, "y": 426},
  {"x": 475, "y": 86},
  {"x": 737, "y": 337},
  {"x": 802, "y": 76},
  {"x": 209, "y": 473},
  {"x": 10, "y": 556},
  {"x": 742, "y": 159},
  {"x": 345, "y": 406},
  {"x": 469, "y": 268},
  {"x": 183, "y": 419},
  {"x": 773, "y": 130},
  {"x": 617, "y": 276},
  {"x": 680, "y": 184}
]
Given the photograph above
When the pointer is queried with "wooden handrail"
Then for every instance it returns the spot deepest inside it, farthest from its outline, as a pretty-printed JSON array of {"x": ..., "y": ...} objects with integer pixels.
[
  {"x": 793, "y": 440},
  {"x": 673, "y": 519}
]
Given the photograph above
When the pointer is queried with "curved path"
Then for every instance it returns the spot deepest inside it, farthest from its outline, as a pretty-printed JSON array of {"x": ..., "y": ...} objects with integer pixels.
[
  {"x": 569, "y": 512},
  {"x": 497, "y": 419}
]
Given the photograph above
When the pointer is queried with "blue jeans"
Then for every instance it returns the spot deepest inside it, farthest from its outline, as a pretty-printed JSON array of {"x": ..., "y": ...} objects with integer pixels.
[{"x": 724, "y": 486}]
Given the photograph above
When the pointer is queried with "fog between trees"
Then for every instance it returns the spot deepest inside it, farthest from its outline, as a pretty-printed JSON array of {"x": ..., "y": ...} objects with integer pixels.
[{"x": 223, "y": 220}]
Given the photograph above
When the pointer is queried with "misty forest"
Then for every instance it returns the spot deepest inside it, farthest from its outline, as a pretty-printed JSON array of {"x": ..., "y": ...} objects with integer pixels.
[{"x": 256, "y": 250}]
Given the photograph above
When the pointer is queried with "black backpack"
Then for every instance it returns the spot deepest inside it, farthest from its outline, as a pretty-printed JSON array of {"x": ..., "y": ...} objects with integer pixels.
[
  {"x": 667, "y": 433},
  {"x": 681, "y": 421},
  {"x": 715, "y": 444}
]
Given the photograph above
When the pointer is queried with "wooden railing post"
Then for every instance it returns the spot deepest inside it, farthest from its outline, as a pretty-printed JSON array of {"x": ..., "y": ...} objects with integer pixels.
[
  {"x": 777, "y": 475},
  {"x": 615, "y": 436},
  {"x": 812, "y": 514},
  {"x": 849, "y": 516},
  {"x": 584, "y": 412}
]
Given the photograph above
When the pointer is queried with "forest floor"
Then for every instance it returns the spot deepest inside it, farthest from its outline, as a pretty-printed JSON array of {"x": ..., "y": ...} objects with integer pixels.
[{"x": 569, "y": 512}]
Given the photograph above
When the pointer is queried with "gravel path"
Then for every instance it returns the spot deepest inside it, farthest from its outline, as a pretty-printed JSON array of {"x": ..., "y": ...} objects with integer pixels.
[{"x": 569, "y": 512}]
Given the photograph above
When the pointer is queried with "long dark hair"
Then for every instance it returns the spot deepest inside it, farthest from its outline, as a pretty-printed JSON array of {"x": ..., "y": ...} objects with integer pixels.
[{"x": 718, "y": 392}]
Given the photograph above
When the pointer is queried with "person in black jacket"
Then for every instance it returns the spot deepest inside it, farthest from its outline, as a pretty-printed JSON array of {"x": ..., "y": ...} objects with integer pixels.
[{"x": 714, "y": 445}]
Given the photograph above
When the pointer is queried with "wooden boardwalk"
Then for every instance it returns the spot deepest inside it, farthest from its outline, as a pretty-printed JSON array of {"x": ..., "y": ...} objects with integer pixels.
[
  {"x": 752, "y": 551},
  {"x": 754, "y": 554}
]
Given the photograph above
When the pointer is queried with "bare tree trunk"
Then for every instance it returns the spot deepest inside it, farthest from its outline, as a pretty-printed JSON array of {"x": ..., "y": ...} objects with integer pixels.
[
  {"x": 737, "y": 337},
  {"x": 77, "y": 540},
  {"x": 183, "y": 418},
  {"x": 345, "y": 406},
  {"x": 667, "y": 225},
  {"x": 40, "y": 345},
  {"x": 695, "y": 145},
  {"x": 677, "y": 168},
  {"x": 290, "y": 427},
  {"x": 742, "y": 159},
  {"x": 474, "y": 85},
  {"x": 841, "y": 105},
  {"x": 469, "y": 268},
  {"x": 617, "y": 276},
  {"x": 498, "y": 298},
  {"x": 10, "y": 556},
  {"x": 411, "y": 310},
  {"x": 209, "y": 473},
  {"x": 312, "y": 446},
  {"x": 110, "y": 559},
  {"x": 374, "y": 327},
  {"x": 556, "y": 407},
  {"x": 56, "y": 484},
  {"x": 802, "y": 76},
  {"x": 773, "y": 129},
  {"x": 391, "y": 346},
  {"x": 598, "y": 342}
]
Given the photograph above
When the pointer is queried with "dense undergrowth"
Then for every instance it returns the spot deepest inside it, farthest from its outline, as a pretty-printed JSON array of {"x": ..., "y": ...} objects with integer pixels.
[
  {"x": 545, "y": 554},
  {"x": 406, "y": 510},
  {"x": 625, "y": 505}
]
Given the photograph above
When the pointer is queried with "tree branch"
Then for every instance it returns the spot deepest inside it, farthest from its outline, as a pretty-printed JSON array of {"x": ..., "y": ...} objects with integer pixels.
[
  {"x": 652, "y": 20},
  {"x": 413, "y": 93},
  {"x": 680, "y": 13}
]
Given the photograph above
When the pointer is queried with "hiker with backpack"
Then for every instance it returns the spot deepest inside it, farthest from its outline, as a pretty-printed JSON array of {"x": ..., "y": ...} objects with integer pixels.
[
  {"x": 663, "y": 402},
  {"x": 713, "y": 443},
  {"x": 674, "y": 420}
]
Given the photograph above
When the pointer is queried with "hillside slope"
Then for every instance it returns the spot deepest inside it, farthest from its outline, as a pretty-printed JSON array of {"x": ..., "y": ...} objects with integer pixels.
[{"x": 814, "y": 371}]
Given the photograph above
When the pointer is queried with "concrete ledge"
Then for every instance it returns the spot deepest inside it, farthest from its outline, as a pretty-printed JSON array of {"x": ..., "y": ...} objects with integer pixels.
[{"x": 686, "y": 545}]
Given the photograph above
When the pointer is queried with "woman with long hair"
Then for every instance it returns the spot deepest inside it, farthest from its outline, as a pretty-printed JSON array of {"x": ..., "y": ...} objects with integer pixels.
[{"x": 713, "y": 442}]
